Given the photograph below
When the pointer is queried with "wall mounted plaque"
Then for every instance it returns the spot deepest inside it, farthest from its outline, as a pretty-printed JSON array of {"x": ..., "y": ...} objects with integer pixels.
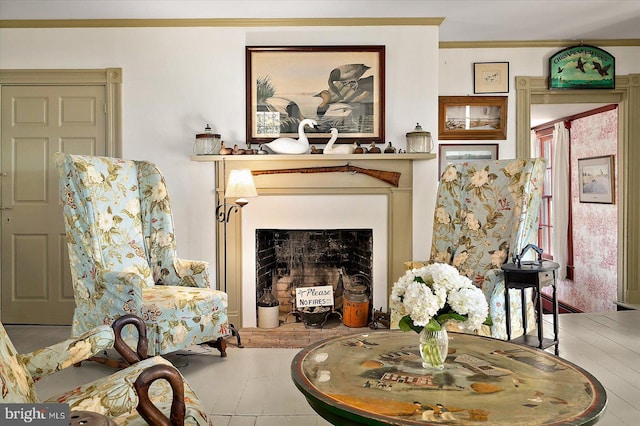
[{"x": 582, "y": 67}]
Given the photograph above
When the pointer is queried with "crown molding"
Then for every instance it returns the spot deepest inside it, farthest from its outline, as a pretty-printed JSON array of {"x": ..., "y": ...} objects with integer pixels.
[
  {"x": 536, "y": 43},
  {"x": 217, "y": 22},
  {"x": 303, "y": 22}
]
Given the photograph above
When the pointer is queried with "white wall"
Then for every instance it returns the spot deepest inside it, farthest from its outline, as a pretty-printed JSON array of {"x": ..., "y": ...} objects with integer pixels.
[{"x": 175, "y": 80}]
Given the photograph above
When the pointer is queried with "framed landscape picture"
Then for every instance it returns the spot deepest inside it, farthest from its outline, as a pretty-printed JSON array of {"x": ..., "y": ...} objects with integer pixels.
[
  {"x": 462, "y": 153},
  {"x": 597, "y": 179},
  {"x": 472, "y": 117},
  {"x": 338, "y": 86}
]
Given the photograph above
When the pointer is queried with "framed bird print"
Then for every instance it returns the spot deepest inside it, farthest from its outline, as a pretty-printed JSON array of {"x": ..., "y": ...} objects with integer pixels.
[
  {"x": 582, "y": 67},
  {"x": 491, "y": 77},
  {"x": 597, "y": 179},
  {"x": 341, "y": 87}
]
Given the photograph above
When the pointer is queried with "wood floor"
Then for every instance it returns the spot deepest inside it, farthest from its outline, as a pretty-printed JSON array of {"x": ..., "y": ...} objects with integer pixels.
[{"x": 253, "y": 386}]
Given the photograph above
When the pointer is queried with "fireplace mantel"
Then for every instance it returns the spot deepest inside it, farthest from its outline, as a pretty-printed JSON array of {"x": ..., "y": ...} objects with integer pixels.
[
  {"x": 314, "y": 157},
  {"x": 399, "y": 204}
]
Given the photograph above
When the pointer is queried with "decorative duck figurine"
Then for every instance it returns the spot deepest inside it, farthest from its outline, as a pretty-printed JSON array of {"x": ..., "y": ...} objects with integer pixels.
[
  {"x": 340, "y": 149},
  {"x": 389, "y": 149},
  {"x": 224, "y": 150},
  {"x": 293, "y": 146},
  {"x": 249, "y": 150},
  {"x": 373, "y": 149},
  {"x": 359, "y": 149}
]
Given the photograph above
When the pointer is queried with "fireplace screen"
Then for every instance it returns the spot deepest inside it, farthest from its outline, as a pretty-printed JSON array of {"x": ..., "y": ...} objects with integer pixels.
[{"x": 288, "y": 259}]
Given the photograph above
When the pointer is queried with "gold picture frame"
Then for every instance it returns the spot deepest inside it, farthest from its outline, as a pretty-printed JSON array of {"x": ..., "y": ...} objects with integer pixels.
[{"x": 472, "y": 117}]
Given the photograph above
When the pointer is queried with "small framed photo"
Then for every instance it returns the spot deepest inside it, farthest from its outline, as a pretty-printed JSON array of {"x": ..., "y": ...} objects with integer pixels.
[
  {"x": 472, "y": 117},
  {"x": 491, "y": 77},
  {"x": 597, "y": 179},
  {"x": 462, "y": 153}
]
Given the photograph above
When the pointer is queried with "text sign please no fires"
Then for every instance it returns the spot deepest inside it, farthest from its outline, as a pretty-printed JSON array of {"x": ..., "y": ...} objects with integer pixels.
[{"x": 307, "y": 297}]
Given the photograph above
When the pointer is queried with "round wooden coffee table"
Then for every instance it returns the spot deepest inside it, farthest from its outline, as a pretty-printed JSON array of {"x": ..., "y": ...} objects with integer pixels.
[{"x": 378, "y": 379}]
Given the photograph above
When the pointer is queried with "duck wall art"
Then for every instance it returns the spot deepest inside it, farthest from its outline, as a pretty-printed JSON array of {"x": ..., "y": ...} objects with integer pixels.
[
  {"x": 340, "y": 149},
  {"x": 293, "y": 146}
]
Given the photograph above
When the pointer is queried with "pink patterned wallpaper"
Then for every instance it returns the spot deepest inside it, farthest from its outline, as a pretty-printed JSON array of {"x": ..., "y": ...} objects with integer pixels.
[{"x": 595, "y": 226}]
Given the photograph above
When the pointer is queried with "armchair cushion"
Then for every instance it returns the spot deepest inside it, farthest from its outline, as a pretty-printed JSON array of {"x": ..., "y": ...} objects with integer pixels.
[{"x": 199, "y": 316}]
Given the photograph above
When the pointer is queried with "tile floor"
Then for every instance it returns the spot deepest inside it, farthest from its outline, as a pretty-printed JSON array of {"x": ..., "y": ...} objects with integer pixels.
[{"x": 253, "y": 386}]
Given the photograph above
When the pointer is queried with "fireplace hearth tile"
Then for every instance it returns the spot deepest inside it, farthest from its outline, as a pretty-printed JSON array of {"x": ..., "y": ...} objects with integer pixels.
[{"x": 294, "y": 335}]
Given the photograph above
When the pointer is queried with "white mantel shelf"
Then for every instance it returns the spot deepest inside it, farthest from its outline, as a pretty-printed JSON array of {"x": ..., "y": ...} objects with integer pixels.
[{"x": 314, "y": 157}]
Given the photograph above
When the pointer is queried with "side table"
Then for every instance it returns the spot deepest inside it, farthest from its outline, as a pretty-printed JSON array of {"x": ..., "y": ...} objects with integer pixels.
[{"x": 534, "y": 275}]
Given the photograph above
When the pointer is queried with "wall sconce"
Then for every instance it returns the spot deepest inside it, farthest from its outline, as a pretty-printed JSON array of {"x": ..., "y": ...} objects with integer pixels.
[{"x": 240, "y": 186}]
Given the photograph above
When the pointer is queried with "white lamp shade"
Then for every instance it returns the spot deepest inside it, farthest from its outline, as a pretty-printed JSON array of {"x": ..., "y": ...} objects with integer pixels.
[{"x": 240, "y": 184}]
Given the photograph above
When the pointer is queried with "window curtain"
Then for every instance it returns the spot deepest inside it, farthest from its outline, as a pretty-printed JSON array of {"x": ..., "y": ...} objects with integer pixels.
[
  {"x": 561, "y": 197},
  {"x": 534, "y": 146}
]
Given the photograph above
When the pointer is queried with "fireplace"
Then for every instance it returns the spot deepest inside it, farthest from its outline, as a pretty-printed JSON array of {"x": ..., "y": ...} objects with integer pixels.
[
  {"x": 318, "y": 202},
  {"x": 288, "y": 259},
  {"x": 310, "y": 217}
]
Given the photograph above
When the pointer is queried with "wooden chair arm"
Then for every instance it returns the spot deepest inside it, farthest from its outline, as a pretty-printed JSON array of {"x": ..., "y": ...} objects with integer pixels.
[
  {"x": 143, "y": 343},
  {"x": 149, "y": 412}
]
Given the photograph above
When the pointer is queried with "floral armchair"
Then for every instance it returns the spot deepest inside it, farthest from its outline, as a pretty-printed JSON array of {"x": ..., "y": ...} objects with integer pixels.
[
  {"x": 128, "y": 397},
  {"x": 487, "y": 211},
  {"x": 123, "y": 256}
]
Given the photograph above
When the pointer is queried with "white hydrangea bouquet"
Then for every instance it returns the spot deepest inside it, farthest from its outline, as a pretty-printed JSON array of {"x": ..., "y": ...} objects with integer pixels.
[{"x": 437, "y": 293}]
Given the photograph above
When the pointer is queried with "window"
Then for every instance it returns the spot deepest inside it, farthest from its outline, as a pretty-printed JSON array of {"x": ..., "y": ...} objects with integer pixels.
[{"x": 545, "y": 229}]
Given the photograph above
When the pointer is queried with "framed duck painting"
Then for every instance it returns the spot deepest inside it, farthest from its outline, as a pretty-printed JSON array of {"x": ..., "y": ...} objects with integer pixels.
[{"x": 337, "y": 86}]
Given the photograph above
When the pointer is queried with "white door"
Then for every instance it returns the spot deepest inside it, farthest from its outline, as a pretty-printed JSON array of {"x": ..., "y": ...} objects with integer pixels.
[{"x": 37, "y": 122}]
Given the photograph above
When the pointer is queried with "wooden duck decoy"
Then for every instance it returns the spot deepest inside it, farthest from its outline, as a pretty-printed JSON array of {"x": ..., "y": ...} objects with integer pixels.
[
  {"x": 224, "y": 150},
  {"x": 359, "y": 149},
  {"x": 373, "y": 149},
  {"x": 249, "y": 150},
  {"x": 389, "y": 149}
]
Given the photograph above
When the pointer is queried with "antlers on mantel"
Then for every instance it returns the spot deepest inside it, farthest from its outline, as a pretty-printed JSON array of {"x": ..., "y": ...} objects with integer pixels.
[{"x": 392, "y": 178}]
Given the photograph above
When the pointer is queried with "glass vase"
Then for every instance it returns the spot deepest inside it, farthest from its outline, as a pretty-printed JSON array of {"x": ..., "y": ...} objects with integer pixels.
[{"x": 434, "y": 346}]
